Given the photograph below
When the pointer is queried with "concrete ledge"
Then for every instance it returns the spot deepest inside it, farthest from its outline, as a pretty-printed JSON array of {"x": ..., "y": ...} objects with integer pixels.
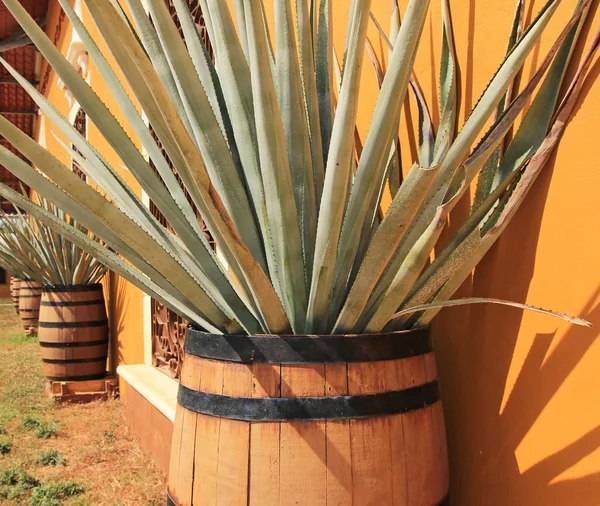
[{"x": 157, "y": 388}]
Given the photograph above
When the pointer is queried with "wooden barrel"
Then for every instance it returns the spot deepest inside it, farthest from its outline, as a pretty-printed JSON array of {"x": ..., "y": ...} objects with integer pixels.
[
  {"x": 30, "y": 293},
  {"x": 73, "y": 332},
  {"x": 309, "y": 420},
  {"x": 14, "y": 292}
]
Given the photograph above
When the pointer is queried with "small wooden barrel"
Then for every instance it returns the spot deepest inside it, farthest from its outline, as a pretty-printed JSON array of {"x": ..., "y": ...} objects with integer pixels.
[
  {"x": 30, "y": 293},
  {"x": 14, "y": 292},
  {"x": 73, "y": 332},
  {"x": 309, "y": 420}
]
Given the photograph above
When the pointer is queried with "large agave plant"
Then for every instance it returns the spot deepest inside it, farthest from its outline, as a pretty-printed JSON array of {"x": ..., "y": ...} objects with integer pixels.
[
  {"x": 264, "y": 142},
  {"x": 32, "y": 250}
]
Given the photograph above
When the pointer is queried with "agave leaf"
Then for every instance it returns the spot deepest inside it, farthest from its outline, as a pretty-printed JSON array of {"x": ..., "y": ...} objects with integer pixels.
[
  {"x": 349, "y": 29},
  {"x": 240, "y": 15},
  {"x": 403, "y": 208},
  {"x": 104, "y": 175},
  {"x": 337, "y": 176},
  {"x": 89, "y": 220},
  {"x": 448, "y": 85},
  {"x": 394, "y": 21},
  {"x": 473, "y": 165},
  {"x": 476, "y": 300},
  {"x": 235, "y": 76},
  {"x": 479, "y": 116},
  {"x": 206, "y": 73},
  {"x": 488, "y": 173},
  {"x": 190, "y": 167},
  {"x": 324, "y": 73},
  {"x": 203, "y": 264},
  {"x": 295, "y": 125},
  {"x": 137, "y": 238},
  {"x": 480, "y": 241},
  {"x": 370, "y": 174},
  {"x": 395, "y": 163},
  {"x": 427, "y": 141},
  {"x": 189, "y": 232},
  {"x": 307, "y": 67},
  {"x": 97, "y": 111},
  {"x": 411, "y": 267},
  {"x": 154, "y": 51},
  {"x": 534, "y": 126},
  {"x": 110, "y": 259},
  {"x": 209, "y": 137},
  {"x": 276, "y": 173}
]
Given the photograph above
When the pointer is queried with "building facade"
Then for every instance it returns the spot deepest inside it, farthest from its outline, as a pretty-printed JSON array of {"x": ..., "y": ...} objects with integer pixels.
[{"x": 521, "y": 391}]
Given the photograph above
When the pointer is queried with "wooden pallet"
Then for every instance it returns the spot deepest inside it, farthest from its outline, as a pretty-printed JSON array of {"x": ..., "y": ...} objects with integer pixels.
[{"x": 82, "y": 391}]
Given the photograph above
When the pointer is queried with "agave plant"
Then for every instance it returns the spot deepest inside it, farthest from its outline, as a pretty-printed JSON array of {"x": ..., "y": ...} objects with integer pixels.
[
  {"x": 31, "y": 250},
  {"x": 263, "y": 140}
]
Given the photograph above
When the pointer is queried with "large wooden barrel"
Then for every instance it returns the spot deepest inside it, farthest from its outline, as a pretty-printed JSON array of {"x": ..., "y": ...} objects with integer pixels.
[
  {"x": 309, "y": 420},
  {"x": 73, "y": 332},
  {"x": 14, "y": 292},
  {"x": 30, "y": 293}
]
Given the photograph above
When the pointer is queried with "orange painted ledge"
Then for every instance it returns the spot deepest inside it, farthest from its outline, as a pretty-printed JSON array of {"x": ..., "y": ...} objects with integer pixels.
[{"x": 150, "y": 401}]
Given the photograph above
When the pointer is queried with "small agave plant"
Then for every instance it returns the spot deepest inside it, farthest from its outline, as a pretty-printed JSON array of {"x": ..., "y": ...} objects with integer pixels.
[
  {"x": 263, "y": 140},
  {"x": 32, "y": 250}
]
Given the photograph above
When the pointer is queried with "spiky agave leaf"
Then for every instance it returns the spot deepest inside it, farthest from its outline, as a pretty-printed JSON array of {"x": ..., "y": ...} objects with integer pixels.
[{"x": 249, "y": 136}]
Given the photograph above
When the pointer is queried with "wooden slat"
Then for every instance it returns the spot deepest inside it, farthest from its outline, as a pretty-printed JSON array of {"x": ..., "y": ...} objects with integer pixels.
[
  {"x": 419, "y": 442},
  {"x": 339, "y": 456},
  {"x": 370, "y": 445},
  {"x": 264, "y": 441},
  {"x": 190, "y": 377},
  {"x": 303, "y": 475},
  {"x": 234, "y": 441},
  {"x": 207, "y": 438}
]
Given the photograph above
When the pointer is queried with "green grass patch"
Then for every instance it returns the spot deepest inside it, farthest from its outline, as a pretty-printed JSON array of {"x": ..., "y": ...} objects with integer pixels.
[
  {"x": 51, "y": 458},
  {"x": 16, "y": 484},
  {"x": 32, "y": 422},
  {"x": 19, "y": 338},
  {"x": 46, "y": 430},
  {"x": 52, "y": 494},
  {"x": 5, "y": 447},
  {"x": 43, "y": 429}
]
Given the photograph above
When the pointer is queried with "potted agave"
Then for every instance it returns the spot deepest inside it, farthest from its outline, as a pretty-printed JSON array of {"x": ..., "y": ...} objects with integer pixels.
[
  {"x": 309, "y": 372},
  {"x": 60, "y": 295},
  {"x": 19, "y": 256}
]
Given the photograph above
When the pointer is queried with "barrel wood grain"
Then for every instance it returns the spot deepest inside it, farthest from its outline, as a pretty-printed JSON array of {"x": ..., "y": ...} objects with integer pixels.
[{"x": 398, "y": 459}]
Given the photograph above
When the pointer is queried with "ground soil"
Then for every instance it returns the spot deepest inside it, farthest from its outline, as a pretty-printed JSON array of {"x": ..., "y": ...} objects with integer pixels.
[{"x": 103, "y": 464}]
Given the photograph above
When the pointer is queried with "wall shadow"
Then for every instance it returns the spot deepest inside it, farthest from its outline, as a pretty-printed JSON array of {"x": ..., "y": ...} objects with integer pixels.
[{"x": 118, "y": 305}]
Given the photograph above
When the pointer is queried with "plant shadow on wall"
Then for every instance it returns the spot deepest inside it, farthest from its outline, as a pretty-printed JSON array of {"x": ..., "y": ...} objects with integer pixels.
[
  {"x": 117, "y": 307},
  {"x": 485, "y": 428}
]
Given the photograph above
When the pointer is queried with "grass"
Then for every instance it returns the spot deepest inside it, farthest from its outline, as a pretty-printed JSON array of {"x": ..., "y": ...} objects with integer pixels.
[
  {"x": 5, "y": 447},
  {"x": 63, "y": 454},
  {"x": 53, "y": 494},
  {"x": 51, "y": 458}
]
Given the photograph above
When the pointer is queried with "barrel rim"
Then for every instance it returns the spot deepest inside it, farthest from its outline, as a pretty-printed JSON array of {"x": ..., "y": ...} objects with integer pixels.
[
  {"x": 71, "y": 288},
  {"x": 307, "y": 348}
]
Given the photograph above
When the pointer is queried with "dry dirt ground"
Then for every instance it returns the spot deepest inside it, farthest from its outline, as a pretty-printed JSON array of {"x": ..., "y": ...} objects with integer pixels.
[{"x": 71, "y": 455}]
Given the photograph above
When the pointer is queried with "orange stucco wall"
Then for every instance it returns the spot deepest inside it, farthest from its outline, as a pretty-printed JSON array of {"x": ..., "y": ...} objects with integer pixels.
[{"x": 521, "y": 391}]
